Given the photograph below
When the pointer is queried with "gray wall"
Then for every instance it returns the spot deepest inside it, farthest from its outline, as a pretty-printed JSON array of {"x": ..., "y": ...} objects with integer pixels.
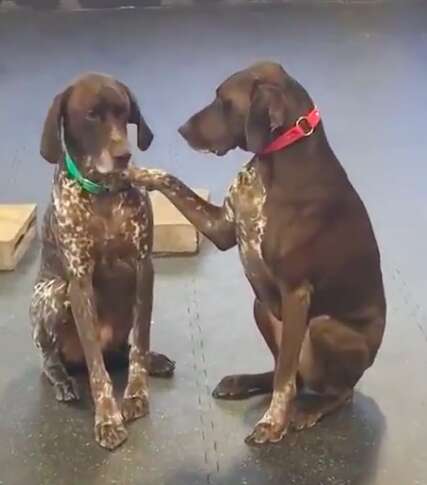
[{"x": 78, "y": 4}]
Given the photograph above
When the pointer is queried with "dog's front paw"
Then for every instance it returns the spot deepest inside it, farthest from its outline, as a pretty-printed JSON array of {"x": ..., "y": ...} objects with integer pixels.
[
  {"x": 160, "y": 365},
  {"x": 111, "y": 433},
  {"x": 148, "y": 178},
  {"x": 135, "y": 407},
  {"x": 66, "y": 391},
  {"x": 266, "y": 432}
]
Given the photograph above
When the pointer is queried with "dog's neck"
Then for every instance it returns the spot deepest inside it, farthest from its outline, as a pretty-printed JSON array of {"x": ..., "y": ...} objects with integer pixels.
[{"x": 310, "y": 162}]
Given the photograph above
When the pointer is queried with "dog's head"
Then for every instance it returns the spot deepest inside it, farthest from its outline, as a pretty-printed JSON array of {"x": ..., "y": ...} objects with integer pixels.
[
  {"x": 93, "y": 113},
  {"x": 249, "y": 108}
]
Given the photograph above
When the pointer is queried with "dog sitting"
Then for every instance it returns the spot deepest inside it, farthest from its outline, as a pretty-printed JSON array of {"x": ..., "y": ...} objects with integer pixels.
[
  {"x": 305, "y": 241},
  {"x": 95, "y": 283}
]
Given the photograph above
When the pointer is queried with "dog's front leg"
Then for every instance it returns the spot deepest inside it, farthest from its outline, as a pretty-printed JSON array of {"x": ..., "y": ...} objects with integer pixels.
[
  {"x": 135, "y": 403},
  {"x": 274, "y": 424},
  {"x": 109, "y": 429},
  {"x": 216, "y": 223}
]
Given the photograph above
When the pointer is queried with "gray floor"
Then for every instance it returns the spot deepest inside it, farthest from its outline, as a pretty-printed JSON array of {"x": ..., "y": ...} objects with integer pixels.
[{"x": 366, "y": 67}]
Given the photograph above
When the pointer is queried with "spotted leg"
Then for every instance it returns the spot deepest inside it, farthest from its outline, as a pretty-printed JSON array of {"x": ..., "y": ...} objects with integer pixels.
[
  {"x": 109, "y": 429},
  {"x": 48, "y": 311},
  {"x": 135, "y": 402},
  {"x": 216, "y": 223}
]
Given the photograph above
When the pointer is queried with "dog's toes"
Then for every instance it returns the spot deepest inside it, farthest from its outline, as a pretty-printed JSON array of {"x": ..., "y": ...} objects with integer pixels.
[
  {"x": 243, "y": 386},
  {"x": 303, "y": 420},
  {"x": 265, "y": 433},
  {"x": 160, "y": 365},
  {"x": 134, "y": 408},
  {"x": 232, "y": 387},
  {"x": 110, "y": 434},
  {"x": 66, "y": 391}
]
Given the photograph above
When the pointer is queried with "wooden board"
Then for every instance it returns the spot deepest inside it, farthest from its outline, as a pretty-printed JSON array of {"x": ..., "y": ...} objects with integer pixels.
[
  {"x": 17, "y": 229},
  {"x": 173, "y": 233}
]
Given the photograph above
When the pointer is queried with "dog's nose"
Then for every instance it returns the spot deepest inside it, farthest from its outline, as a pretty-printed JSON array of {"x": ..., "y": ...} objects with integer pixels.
[
  {"x": 184, "y": 130},
  {"x": 122, "y": 160}
]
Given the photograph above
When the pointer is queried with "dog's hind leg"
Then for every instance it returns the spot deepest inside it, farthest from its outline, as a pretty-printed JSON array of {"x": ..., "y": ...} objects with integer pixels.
[
  {"x": 243, "y": 386},
  {"x": 48, "y": 311},
  {"x": 333, "y": 358}
]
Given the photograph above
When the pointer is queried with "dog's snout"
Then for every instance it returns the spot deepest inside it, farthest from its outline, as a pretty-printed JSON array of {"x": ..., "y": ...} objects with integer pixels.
[{"x": 184, "y": 130}]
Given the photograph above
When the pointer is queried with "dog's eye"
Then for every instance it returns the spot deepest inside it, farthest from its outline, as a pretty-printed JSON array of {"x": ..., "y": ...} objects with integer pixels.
[{"x": 92, "y": 115}]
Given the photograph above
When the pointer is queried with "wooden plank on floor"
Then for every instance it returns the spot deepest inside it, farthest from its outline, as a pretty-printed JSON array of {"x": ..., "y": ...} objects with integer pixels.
[{"x": 17, "y": 230}]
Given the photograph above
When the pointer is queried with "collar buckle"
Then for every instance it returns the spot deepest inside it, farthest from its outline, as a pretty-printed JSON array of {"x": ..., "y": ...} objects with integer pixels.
[{"x": 303, "y": 123}]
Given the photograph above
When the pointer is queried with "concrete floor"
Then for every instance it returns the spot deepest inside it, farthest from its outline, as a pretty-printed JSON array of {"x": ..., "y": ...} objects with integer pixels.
[{"x": 366, "y": 68}]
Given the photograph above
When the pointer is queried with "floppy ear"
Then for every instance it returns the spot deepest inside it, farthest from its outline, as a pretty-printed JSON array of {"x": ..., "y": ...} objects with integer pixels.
[
  {"x": 145, "y": 135},
  {"x": 50, "y": 145},
  {"x": 267, "y": 114}
]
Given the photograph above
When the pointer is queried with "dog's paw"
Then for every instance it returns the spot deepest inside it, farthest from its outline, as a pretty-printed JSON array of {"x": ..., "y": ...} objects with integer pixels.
[
  {"x": 159, "y": 365},
  {"x": 135, "y": 407},
  {"x": 66, "y": 391},
  {"x": 231, "y": 387},
  {"x": 301, "y": 419},
  {"x": 243, "y": 386},
  {"x": 110, "y": 434},
  {"x": 266, "y": 432}
]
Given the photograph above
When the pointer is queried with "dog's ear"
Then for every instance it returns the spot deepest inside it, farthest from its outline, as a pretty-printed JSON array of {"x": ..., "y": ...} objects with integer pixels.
[
  {"x": 267, "y": 114},
  {"x": 145, "y": 135},
  {"x": 51, "y": 144}
]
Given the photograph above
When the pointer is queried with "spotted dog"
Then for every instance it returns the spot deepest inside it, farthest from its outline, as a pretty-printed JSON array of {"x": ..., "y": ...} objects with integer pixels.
[
  {"x": 305, "y": 241},
  {"x": 95, "y": 284}
]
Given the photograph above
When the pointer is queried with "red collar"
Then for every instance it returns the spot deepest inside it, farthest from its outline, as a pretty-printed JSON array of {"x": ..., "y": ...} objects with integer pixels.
[{"x": 304, "y": 126}]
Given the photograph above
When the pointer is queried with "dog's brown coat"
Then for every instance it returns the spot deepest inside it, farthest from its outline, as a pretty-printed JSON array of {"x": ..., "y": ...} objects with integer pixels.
[
  {"x": 305, "y": 241},
  {"x": 95, "y": 283}
]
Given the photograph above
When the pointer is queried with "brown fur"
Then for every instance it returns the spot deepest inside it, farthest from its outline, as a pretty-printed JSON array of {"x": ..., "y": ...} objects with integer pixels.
[
  {"x": 305, "y": 242},
  {"x": 95, "y": 282}
]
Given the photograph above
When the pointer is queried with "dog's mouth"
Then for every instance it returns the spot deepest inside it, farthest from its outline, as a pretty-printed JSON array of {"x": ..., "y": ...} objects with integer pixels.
[
  {"x": 219, "y": 152},
  {"x": 202, "y": 145}
]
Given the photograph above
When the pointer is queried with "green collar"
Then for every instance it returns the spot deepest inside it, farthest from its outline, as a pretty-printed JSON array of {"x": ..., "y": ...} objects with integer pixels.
[{"x": 86, "y": 184}]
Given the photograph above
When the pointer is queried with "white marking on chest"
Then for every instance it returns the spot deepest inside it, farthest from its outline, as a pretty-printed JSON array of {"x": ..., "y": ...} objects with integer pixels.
[{"x": 72, "y": 214}]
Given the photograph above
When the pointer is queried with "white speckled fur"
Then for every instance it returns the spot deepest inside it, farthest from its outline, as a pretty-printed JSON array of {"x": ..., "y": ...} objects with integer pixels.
[{"x": 244, "y": 205}]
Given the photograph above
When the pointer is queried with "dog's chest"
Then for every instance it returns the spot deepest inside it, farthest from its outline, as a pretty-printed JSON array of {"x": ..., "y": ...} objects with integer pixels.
[
  {"x": 247, "y": 198},
  {"x": 121, "y": 229},
  {"x": 90, "y": 229}
]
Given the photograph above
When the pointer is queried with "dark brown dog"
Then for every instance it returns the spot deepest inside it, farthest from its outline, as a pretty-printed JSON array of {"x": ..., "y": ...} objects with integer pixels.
[
  {"x": 95, "y": 283},
  {"x": 305, "y": 241}
]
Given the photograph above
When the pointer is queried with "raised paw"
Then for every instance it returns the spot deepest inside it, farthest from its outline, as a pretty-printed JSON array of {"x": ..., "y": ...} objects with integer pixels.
[
  {"x": 66, "y": 391},
  {"x": 159, "y": 365},
  {"x": 266, "y": 432},
  {"x": 110, "y": 434},
  {"x": 135, "y": 407}
]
